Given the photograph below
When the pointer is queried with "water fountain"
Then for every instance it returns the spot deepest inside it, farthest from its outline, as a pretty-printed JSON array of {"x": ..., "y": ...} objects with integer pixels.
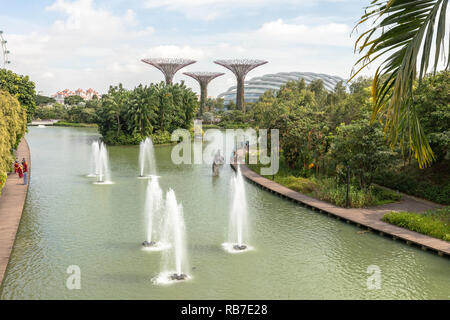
[
  {"x": 146, "y": 159},
  {"x": 237, "y": 232},
  {"x": 174, "y": 233},
  {"x": 100, "y": 168},
  {"x": 153, "y": 208}
]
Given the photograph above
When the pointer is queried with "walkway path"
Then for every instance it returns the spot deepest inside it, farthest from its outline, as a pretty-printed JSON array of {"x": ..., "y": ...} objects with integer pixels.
[
  {"x": 12, "y": 201},
  {"x": 367, "y": 217}
]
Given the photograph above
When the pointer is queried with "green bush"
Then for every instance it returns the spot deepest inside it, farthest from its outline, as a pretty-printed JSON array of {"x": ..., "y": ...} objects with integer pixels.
[
  {"x": 435, "y": 223},
  {"x": 112, "y": 138},
  {"x": 161, "y": 137},
  {"x": 3, "y": 177},
  {"x": 299, "y": 184},
  {"x": 330, "y": 190}
]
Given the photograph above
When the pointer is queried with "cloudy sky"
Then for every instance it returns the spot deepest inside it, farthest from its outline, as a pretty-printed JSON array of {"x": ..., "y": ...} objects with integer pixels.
[{"x": 96, "y": 43}]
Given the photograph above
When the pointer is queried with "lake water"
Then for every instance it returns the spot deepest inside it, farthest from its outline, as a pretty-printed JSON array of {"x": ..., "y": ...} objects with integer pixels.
[{"x": 298, "y": 253}]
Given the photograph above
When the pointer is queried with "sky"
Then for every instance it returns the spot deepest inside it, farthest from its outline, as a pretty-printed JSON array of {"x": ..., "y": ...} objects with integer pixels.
[{"x": 97, "y": 43}]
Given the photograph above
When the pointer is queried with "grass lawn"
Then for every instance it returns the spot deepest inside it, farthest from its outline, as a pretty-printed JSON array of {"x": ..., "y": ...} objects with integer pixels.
[
  {"x": 70, "y": 124},
  {"x": 434, "y": 223}
]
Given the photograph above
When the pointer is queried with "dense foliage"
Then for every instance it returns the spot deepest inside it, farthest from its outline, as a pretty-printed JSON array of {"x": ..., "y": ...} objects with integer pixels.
[
  {"x": 432, "y": 103},
  {"x": 319, "y": 129},
  {"x": 22, "y": 88},
  {"x": 12, "y": 128},
  {"x": 432, "y": 183},
  {"x": 85, "y": 112},
  {"x": 435, "y": 223},
  {"x": 362, "y": 147},
  {"x": 2, "y": 180},
  {"x": 321, "y": 133},
  {"x": 128, "y": 116}
]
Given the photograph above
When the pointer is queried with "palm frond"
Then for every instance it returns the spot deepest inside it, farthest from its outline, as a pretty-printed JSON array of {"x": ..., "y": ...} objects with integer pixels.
[{"x": 409, "y": 30}]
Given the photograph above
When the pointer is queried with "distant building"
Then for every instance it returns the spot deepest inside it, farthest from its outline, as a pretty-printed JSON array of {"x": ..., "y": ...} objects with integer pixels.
[
  {"x": 255, "y": 87},
  {"x": 86, "y": 95}
]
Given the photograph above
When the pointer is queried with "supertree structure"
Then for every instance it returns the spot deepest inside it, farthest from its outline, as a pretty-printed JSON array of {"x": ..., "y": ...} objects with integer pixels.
[
  {"x": 168, "y": 66},
  {"x": 203, "y": 78},
  {"x": 240, "y": 68}
]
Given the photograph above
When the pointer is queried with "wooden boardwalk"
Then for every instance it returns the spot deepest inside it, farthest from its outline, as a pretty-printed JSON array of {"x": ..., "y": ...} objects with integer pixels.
[
  {"x": 369, "y": 218},
  {"x": 12, "y": 201}
]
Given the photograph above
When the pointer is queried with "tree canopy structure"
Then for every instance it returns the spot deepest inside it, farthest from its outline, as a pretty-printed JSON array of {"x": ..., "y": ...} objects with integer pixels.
[
  {"x": 168, "y": 66},
  {"x": 240, "y": 68},
  {"x": 203, "y": 78}
]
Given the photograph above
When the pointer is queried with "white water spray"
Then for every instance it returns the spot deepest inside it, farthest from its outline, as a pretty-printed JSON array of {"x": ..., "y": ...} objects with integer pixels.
[
  {"x": 147, "y": 165},
  {"x": 237, "y": 232},
  {"x": 175, "y": 262},
  {"x": 153, "y": 212},
  {"x": 100, "y": 167}
]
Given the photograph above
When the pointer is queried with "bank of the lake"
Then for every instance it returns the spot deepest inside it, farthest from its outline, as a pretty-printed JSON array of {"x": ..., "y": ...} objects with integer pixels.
[
  {"x": 12, "y": 201},
  {"x": 368, "y": 217}
]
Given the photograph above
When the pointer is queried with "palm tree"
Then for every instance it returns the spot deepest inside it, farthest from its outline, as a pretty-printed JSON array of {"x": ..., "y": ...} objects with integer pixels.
[
  {"x": 140, "y": 110},
  {"x": 114, "y": 102},
  {"x": 404, "y": 33}
]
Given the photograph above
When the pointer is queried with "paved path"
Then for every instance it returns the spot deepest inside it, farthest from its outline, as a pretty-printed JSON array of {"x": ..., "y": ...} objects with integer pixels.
[
  {"x": 12, "y": 201},
  {"x": 367, "y": 217}
]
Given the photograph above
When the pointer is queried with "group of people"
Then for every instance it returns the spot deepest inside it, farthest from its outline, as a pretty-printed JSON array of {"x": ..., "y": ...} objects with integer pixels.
[{"x": 21, "y": 169}]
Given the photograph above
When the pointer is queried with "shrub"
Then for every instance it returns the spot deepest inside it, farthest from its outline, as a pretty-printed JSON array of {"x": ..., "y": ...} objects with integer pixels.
[
  {"x": 161, "y": 137},
  {"x": 299, "y": 184},
  {"x": 112, "y": 138},
  {"x": 435, "y": 223},
  {"x": 2, "y": 181},
  {"x": 12, "y": 128}
]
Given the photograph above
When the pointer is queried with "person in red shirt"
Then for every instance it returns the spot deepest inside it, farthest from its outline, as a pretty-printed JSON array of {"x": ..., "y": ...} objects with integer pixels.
[
  {"x": 20, "y": 171},
  {"x": 16, "y": 166}
]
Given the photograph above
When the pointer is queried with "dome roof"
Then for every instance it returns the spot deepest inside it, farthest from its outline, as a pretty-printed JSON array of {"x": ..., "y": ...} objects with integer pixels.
[{"x": 255, "y": 87}]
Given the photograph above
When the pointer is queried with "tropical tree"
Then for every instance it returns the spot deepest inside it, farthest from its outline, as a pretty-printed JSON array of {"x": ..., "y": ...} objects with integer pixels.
[
  {"x": 73, "y": 100},
  {"x": 112, "y": 105},
  {"x": 432, "y": 102},
  {"x": 360, "y": 146},
  {"x": 141, "y": 109},
  {"x": 22, "y": 88},
  {"x": 404, "y": 33},
  {"x": 13, "y": 122}
]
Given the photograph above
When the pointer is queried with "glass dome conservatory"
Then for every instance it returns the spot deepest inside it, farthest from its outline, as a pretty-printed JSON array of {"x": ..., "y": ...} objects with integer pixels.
[{"x": 255, "y": 87}]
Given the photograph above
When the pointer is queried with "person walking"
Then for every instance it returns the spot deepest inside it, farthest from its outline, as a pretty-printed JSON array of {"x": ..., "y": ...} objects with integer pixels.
[{"x": 25, "y": 171}]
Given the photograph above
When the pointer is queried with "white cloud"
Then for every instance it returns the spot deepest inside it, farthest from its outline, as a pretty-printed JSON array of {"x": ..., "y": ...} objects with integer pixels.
[
  {"x": 81, "y": 43},
  {"x": 212, "y": 9},
  {"x": 93, "y": 47},
  {"x": 333, "y": 34},
  {"x": 172, "y": 51},
  {"x": 48, "y": 75},
  {"x": 202, "y": 9}
]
